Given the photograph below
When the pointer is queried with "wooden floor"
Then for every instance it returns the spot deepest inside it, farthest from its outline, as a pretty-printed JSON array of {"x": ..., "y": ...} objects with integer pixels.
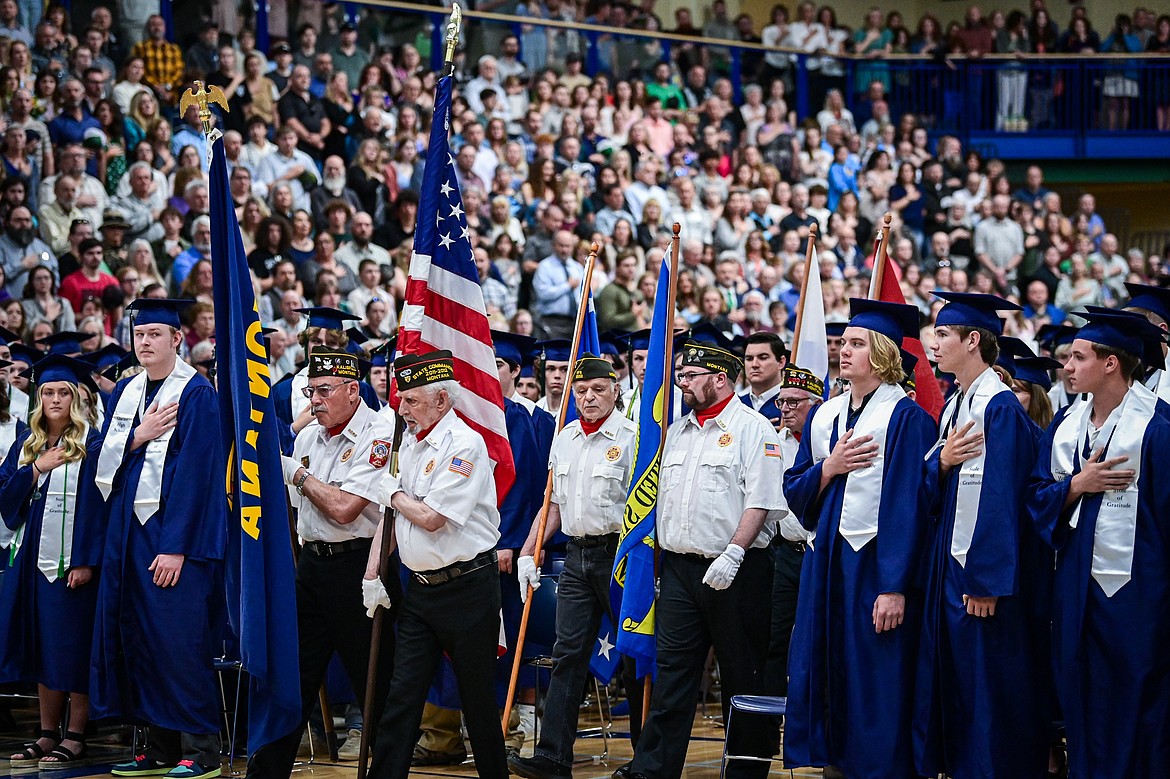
[{"x": 703, "y": 756}]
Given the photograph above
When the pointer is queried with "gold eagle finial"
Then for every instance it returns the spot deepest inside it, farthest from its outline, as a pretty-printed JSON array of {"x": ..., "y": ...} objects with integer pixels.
[{"x": 201, "y": 97}]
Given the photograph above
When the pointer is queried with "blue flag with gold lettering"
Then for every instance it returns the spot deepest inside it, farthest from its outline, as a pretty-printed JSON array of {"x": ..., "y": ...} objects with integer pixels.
[
  {"x": 260, "y": 573},
  {"x": 632, "y": 588}
]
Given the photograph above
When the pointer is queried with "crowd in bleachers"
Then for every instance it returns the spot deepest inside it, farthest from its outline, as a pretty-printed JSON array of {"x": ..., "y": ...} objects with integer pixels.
[{"x": 104, "y": 194}]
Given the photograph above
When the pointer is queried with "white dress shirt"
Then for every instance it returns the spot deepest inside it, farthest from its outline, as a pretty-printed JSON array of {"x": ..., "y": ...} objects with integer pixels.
[{"x": 591, "y": 475}]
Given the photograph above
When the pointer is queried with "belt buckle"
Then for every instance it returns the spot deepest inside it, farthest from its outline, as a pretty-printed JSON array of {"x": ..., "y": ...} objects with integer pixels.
[
  {"x": 421, "y": 579},
  {"x": 326, "y": 549}
]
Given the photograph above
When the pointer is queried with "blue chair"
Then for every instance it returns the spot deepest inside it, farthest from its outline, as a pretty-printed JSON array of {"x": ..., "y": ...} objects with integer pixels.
[{"x": 759, "y": 705}]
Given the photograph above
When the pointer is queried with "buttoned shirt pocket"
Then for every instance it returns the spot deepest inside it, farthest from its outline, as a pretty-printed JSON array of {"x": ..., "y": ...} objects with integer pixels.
[
  {"x": 561, "y": 482},
  {"x": 674, "y": 464},
  {"x": 716, "y": 474},
  {"x": 607, "y": 486}
]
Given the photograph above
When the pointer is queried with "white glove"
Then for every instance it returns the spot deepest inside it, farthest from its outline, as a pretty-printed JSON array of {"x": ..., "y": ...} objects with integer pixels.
[
  {"x": 527, "y": 573},
  {"x": 723, "y": 570},
  {"x": 290, "y": 468},
  {"x": 389, "y": 486},
  {"x": 374, "y": 595}
]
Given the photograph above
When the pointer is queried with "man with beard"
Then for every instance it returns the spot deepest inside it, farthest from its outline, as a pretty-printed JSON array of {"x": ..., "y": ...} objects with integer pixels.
[
  {"x": 91, "y": 197},
  {"x": 333, "y": 187},
  {"x": 200, "y": 250},
  {"x": 73, "y": 120},
  {"x": 21, "y": 251},
  {"x": 290, "y": 165},
  {"x": 55, "y": 218},
  {"x": 361, "y": 247},
  {"x": 89, "y": 280}
]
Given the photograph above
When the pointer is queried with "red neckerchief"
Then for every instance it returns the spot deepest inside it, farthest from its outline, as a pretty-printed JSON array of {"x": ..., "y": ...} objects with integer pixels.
[
  {"x": 591, "y": 428},
  {"x": 424, "y": 433},
  {"x": 332, "y": 431},
  {"x": 701, "y": 416}
]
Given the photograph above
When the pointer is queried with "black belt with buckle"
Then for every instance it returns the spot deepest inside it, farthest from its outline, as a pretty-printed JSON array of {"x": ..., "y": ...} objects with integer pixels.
[
  {"x": 796, "y": 546},
  {"x": 592, "y": 542},
  {"x": 327, "y": 549},
  {"x": 454, "y": 571}
]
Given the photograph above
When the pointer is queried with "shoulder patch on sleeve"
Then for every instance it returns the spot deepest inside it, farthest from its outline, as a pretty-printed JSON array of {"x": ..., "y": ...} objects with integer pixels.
[
  {"x": 379, "y": 453},
  {"x": 461, "y": 467}
]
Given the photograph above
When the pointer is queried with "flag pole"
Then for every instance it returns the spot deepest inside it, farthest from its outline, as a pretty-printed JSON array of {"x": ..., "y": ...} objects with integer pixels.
[
  {"x": 879, "y": 259},
  {"x": 667, "y": 373},
  {"x": 808, "y": 268},
  {"x": 368, "y": 714},
  {"x": 585, "y": 287}
]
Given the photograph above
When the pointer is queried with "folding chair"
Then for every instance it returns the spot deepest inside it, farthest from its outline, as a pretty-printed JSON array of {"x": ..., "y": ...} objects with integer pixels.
[
  {"x": 760, "y": 705},
  {"x": 222, "y": 666}
]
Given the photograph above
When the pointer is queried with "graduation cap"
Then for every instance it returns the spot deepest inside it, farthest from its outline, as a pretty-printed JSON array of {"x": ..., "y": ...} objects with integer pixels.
[
  {"x": 115, "y": 371},
  {"x": 357, "y": 341},
  {"x": 107, "y": 356},
  {"x": 639, "y": 339},
  {"x": 611, "y": 342},
  {"x": 380, "y": 355},
  {"x": 555, "y": 349},
  {"x": 1034, "y": 370},
  {"x": 835, "y": 329},
  {"x": 909, "y": 363},
  {"x": 1149, "y": 298},
  {"x": 1125, "y": 331},
  {"x": 5, "y": 364},
  {"x": 24, "y": 354},
  {"x": 7, "y": 337},
  {"x": 512, "y": 348},
  {"x": 971, "y": 309},
  {"x": 1052, "y": 336},
  {"x": 893, "y": 320},
  {"x": 707, "y": 333},
  {"x": 58, "y": 367},
  {"x": 158, "y": 311},
  {"x": 328, "y": 318},
  {"x": 66, "y": 343},
  {"x": 1010, "y": 351}
]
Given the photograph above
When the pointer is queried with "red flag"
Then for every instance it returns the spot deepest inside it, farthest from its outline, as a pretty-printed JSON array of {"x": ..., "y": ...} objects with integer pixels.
[{"x": 927, "y": 392}]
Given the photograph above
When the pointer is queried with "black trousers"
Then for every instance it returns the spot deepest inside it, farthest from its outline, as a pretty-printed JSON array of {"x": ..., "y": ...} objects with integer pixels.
[
  {"x": 170, "y": 746},
  {"x": 331, "y": 619},
  {"x": 460, "y": 618},
  {"x": 785, "y": 589},
  {"x": 691, "y": 618}
]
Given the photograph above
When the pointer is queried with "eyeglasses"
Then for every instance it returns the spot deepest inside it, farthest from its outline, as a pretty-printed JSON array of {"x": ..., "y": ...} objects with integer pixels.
[
  {"x": 791, "y": 402},
  {"x": 686, "y": 378},
  {"x": 324, "y": 390}
]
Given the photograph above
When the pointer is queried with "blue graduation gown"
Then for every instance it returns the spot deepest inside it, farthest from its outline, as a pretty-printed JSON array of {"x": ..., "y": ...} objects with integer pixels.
[
  {"x": 850, "y": 689},
  {"x": 153, "y": 646},
  {"x": 282, "y": 400},
  {"x": 1110, "y": 655},
  {"x": 46, "y": 628},
  {"x": 981, "y": 695}
]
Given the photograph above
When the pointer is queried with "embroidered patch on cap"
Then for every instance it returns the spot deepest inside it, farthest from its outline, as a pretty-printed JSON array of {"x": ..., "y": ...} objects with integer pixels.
[
  {"x": 461, "y": 467},
  {"x": 379, "y": 453}
]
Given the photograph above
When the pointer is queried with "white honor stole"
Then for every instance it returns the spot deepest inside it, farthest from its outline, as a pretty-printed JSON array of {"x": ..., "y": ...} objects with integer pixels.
[
  {"x": 970, "y": 490},
  {"x": 863, "y": 488},
  {"x": 1121, "y": 436},
  {"x": 297, "y": 400},
  {"x": 60, "y": 488},
  {"x": 131, "y": 405},
  {"x": 1159, "y": 384}
]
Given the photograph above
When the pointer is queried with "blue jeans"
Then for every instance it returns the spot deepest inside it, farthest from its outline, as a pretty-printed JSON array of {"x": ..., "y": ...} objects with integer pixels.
[{"x": 582, "y": 598}]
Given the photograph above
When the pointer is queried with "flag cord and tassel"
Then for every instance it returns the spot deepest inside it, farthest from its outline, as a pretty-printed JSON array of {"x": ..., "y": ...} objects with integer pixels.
[
  {"x": 369, "y": 716},
  {"x": 808, "y": 268},
  {"x": 586, "y": 283}
]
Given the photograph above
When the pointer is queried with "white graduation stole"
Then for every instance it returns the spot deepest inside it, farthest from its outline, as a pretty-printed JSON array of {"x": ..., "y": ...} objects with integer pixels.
[
  {"x": 7, "y": 438},
  {"x": 970, "y": 490},
  {"x": 1121, "y": 436},
  {"x": 60, "y": 489},
  {"x": 297, "y": 400},
  {"x": 1159, "y": 383},
  {"x": 132, "y": 404},
  {"x": 863, "y": 488}
]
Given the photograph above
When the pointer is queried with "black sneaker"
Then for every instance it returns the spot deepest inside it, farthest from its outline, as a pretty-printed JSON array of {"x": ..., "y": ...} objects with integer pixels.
[
  {"x": 538, "y": 767},
  {"x": 623, "y": 771}
]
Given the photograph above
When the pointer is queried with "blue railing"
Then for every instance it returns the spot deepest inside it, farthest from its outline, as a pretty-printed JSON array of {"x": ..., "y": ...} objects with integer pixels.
[{"x": 1040, "y": 107}]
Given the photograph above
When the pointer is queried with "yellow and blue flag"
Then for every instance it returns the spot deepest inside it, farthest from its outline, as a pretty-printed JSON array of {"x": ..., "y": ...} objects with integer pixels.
[
  {"x": 632, "y": 588},
  {"x": 260, "y": 573},
  {"x": 589, "y": 343}
]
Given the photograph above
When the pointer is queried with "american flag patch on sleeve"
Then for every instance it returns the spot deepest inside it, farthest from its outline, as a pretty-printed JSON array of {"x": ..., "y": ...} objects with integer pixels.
[
  {"x": 461, "y": 467},
  {"x": 771, "y": 450}
]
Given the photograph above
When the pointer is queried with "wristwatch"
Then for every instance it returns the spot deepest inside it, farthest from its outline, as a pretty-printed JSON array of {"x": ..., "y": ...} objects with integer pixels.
[{"x": 301, "y": 482}]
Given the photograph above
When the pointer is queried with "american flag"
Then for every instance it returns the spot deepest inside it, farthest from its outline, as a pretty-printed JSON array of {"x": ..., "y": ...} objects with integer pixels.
[
  {"x": 461, "y": 467},
  {"x": 772, "y": 450},
  {"x": 444, "y": 301}
]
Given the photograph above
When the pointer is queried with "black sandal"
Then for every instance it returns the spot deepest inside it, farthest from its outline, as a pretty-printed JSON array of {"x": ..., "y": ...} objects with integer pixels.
[
  {"x": 33, "y": 753},
  {"x": 64, "y": 757}
]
